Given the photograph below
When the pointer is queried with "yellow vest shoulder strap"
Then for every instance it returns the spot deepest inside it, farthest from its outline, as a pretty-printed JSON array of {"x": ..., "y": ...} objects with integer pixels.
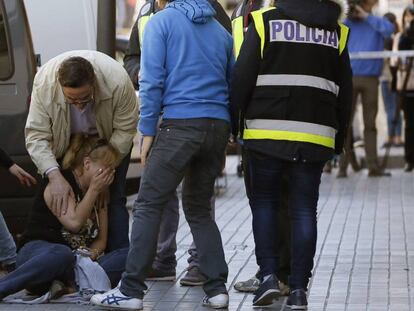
[
  {"x": 142, "y": 22},
  {"x": 259, "y": 25},
  {"x": 343, "y": 38},
  {"x": 238, "y": 35}
]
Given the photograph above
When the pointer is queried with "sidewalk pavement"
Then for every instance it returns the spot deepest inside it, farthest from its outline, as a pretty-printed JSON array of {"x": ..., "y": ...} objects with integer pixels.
[{"x": 365, "y": 250}]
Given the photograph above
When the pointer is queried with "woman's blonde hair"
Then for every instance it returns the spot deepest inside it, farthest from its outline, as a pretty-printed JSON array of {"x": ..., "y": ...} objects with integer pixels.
[{"x": 82, "y": 145}]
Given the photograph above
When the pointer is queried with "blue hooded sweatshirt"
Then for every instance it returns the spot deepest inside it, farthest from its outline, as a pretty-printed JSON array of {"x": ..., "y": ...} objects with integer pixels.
[{"x": 186, "y": 64}]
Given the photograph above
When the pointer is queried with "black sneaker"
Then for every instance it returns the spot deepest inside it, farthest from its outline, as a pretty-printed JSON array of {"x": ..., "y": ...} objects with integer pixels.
[
  {"x": 159, "y": 275},
  {"x": 297, "y": 300},
  {"x": 267, "y": 292}
]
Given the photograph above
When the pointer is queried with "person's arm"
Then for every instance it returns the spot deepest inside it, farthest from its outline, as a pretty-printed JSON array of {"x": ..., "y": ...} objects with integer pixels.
[
  {"x": 381, "y": 25},
  {"x": 230, "y": 66},
  {"x": 125, "y": 117},
  {"x": 77, "y": 214},
  {"x": 24, "y": 177},
  {"x": 221, "y": 16},
  {"x": 244, "y": 77},
  {"x": 99, "y": 244},
  {"x": 132, "y": 58},
  {"x": 152, "y": 77},
  {"x": 5, "y": 160},
  {"x": 344, "y": 106},
  {"x": 38, "y": 135}
]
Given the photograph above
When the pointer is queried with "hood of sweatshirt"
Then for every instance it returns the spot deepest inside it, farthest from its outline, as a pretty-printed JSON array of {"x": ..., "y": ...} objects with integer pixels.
[
  {"x": 315, "y": 13},
  {"x": 197, "y": 11}
]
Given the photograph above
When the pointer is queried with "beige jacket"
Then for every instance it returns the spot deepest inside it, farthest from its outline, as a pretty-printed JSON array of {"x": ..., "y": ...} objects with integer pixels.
[{"x": 48, "y": 123}]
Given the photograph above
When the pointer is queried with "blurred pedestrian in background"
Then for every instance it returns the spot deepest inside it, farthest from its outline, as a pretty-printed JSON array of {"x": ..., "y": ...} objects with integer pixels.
[
  {"x": 388, "y": 90},
  {"x": 406, "y": 42},
  {"x": 368, "y": 33}
]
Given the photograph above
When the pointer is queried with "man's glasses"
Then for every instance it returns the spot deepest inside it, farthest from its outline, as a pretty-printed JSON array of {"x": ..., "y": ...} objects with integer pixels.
[{"x": 80, "y": 101}]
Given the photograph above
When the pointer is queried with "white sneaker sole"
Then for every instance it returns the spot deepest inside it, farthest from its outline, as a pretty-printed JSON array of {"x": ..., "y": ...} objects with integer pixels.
[
  {"x": 294, "y": 307},
  {"x": 222, "y": 306},
  {"x": 97, "y": 302}
]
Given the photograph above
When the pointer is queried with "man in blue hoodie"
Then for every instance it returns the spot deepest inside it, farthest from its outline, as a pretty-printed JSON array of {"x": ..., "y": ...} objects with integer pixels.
[
  {"x": 163, "y": 267},
  {"x": 368, "y": 33},
  {"x": 186, "y": 65}
]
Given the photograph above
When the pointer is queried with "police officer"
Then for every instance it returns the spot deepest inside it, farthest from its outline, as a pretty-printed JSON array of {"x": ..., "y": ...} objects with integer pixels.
[
  {"x": 293, "y": 85},
  {"x": 241, "y": 19},
  {"x": 163, "y": 268}
]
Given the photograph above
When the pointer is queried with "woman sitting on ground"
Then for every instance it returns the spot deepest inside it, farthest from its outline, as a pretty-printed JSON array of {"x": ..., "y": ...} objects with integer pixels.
[{"x": 50, "y": 239}]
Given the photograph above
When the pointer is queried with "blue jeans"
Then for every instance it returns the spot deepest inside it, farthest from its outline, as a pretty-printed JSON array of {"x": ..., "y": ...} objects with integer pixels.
[
  {"x": 192, "y": 251},
  {"x": 192, "y": 149},
  {"x": 165, "y": 259},
  {"x": 39, "y": 263},
  {"x": 390, "y": 101},
  {"x": 7, "y": 245},
  {"x": 118, "y": 216},
  {"x": 265, "y": 177}
]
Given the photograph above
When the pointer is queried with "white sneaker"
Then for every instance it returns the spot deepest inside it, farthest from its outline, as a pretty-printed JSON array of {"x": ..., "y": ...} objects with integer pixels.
[
  {"x": 219, "y": 301},
  {"x": 114, "y": 299}
]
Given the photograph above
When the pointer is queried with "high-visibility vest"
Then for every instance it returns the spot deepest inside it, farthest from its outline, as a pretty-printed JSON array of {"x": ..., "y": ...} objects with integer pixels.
[
  {"x": 146, "y": 12},
  {"x": 272, "y": 115}
]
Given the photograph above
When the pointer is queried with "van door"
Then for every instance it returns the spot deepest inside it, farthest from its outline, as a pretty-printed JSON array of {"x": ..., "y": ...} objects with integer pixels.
[{"x": 17, "y": 70}]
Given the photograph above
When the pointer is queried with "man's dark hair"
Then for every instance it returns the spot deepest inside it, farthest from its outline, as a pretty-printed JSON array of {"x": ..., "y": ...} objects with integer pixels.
[{"x": 76, "y": 72}]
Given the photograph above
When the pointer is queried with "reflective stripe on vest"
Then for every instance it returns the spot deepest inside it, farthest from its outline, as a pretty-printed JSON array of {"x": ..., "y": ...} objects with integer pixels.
[
  {"x": 238, "y": 35},
  {"x": 298, "y": 80},
  {"x": 141, "y": 26},
  {"x": 291, "y": 131},
  {"x": 260, "y": 29}
]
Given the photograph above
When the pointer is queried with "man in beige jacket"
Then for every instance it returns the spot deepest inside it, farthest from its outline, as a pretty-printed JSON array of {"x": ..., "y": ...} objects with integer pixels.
[{"x": 88, "y": 92}]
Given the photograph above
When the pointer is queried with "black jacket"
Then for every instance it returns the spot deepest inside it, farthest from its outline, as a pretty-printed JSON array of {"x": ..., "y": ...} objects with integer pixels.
[
  {"x": 132, "y": 58},
  {"x": 312, "y": 13}
]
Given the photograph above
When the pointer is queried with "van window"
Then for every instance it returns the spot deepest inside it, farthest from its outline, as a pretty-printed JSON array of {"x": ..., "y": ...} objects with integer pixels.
[{"x": 5, "y": 59}]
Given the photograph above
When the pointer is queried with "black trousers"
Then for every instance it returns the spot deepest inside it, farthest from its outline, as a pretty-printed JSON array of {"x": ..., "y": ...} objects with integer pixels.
[
  {"x": 283, "y": 224},
  {"x": 408, "y": 107}
]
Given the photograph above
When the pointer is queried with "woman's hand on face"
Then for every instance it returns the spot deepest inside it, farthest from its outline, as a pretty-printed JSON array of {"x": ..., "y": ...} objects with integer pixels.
[{"x": 102, "y": 179}]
